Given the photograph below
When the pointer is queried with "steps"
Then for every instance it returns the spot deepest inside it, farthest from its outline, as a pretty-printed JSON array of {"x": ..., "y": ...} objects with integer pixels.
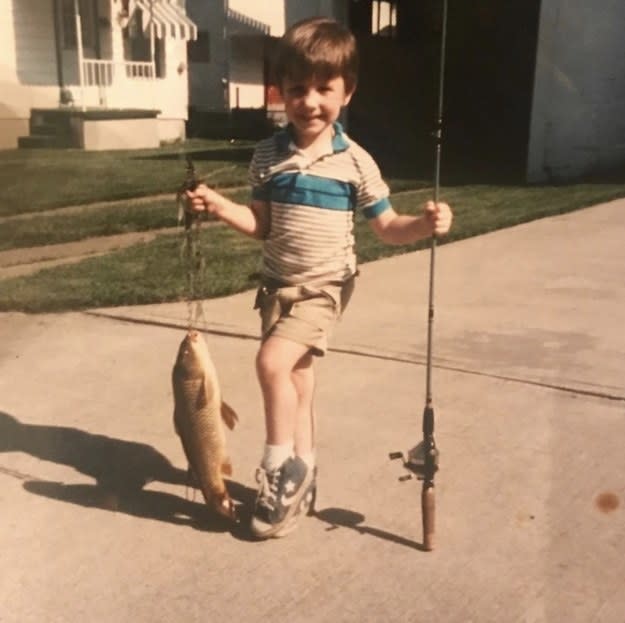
[{"x": 49, "y": 129}]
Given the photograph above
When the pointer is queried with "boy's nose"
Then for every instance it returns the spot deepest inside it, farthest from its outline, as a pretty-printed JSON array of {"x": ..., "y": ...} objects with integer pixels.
[{"x": 311, "y": 98}]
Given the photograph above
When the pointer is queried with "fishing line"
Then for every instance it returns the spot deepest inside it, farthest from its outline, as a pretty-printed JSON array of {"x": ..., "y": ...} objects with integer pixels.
[{"x": 191, "y": 254}]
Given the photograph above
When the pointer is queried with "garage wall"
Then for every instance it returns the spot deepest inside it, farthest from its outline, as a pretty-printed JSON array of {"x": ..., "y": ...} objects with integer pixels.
[{"x": 578, "y": 108}]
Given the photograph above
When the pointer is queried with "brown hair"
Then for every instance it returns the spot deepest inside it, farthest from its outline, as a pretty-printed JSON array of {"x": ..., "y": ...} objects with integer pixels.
[{"x": 317, "y": 47}]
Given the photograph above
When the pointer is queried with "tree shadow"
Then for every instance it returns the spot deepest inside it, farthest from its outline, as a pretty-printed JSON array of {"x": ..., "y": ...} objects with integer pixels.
[
  {"x": 341, "y": 517},
  {"x": 121, "y": 469}
]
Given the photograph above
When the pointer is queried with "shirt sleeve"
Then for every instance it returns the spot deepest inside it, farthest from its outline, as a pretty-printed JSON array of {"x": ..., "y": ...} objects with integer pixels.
[
  {"x": 255, "y": 176},
  {"x": 372, "y": 195}
]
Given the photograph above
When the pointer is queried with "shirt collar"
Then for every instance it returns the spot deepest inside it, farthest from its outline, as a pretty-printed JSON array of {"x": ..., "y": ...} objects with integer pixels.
[{"x": 285, "y": 139}]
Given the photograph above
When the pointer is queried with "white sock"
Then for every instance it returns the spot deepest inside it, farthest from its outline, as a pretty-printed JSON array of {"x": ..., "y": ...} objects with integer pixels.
[
  {"x": 275, "y": 455},
  {"x": 308, "y": 458}
]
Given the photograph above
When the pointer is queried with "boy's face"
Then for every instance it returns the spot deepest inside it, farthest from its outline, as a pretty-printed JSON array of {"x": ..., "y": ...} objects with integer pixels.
[{"x": 313, "y": 105}]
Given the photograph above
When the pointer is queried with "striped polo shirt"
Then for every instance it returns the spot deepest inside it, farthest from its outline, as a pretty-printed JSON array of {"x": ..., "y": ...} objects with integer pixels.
[{"x": 312, "y": 204}]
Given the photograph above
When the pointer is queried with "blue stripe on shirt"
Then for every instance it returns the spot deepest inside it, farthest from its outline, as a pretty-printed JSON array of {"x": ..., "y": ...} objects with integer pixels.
[
  {"x": 377, "y": 208},
  {"x": 309, "y": 190}
]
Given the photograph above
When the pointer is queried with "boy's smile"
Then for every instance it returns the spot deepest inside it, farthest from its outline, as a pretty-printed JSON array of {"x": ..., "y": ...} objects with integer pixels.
[{"x": 312, "y": 106}]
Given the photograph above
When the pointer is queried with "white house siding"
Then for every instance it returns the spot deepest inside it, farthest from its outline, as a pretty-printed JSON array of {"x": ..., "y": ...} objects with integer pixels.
[
  {"x": 578, "y": 113},
  {"x": 28, "y": 75},
  {"x": 172, "y": 92},
  {"x": 29, "y": 78},
  {"x": 269, "y": 12},
  {"x": 247, "y": 74},
  {"x": 248, "y": 27}
]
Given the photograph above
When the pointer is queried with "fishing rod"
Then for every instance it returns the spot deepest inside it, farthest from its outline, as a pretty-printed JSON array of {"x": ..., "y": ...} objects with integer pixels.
[{"x": 422, "y": 460}]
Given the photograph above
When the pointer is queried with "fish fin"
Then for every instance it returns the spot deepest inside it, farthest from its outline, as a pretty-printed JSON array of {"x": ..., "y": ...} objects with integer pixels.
[
  {"x": 226, "y": 467},
  {"x": 228, "y": 415}
]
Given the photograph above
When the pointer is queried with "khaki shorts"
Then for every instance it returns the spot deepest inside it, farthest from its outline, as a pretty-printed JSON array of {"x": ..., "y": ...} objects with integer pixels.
[{"x": 305, "y": 314}]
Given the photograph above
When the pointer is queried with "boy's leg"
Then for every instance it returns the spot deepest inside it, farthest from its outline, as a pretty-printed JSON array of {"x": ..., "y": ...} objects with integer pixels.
[
  {"x": 275, "y": 364},
  {"x": 304, "y": 381},
  {"x": 285, "y": 374},
  {"x": 305, "y": 433}
]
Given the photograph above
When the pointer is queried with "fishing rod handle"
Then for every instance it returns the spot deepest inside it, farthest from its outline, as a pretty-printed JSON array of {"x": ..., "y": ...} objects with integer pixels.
[{"x": 428, "y": 511}]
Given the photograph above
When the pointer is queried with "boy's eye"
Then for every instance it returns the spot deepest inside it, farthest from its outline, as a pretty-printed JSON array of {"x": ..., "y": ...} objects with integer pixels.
[{"x": 296, "y": 91}]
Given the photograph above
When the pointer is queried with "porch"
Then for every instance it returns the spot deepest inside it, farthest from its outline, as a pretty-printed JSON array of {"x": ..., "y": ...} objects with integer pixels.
[
  {"x": 106, "y": 49},
  {"x": 119, "y": 63},
  {"x": 91, "y": 129}
]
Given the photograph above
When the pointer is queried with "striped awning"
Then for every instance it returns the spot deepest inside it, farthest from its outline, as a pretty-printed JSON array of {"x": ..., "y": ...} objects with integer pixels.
[{"x": 168, "y": 19}]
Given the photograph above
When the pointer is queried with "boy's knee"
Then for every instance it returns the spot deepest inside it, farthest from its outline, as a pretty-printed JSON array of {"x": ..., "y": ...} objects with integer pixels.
[
  {"x": 264, "y": 365},
  {"x": 303, "y": 381},
  {"x": 269, "y": 365},
  {"x": 276, "y": 360}
]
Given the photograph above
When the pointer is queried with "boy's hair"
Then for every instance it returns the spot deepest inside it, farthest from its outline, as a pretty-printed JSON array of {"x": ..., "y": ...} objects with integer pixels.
[{"x": 317, "y": 47}]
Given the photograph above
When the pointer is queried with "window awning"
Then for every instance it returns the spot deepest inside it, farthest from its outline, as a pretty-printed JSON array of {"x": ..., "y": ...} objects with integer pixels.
[{"x": 168, "y": 17}]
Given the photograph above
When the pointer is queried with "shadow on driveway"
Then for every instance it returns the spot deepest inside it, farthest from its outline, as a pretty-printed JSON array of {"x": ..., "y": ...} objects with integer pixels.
[
  {"x": 121, "y": 469},
  {"x": 341, "y": 517}
]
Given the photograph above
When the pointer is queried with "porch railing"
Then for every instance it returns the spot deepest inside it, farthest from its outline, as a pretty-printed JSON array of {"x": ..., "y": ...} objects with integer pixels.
[
  {"x": 102, "y": 73},
  {"x": 135, "y": 69}
]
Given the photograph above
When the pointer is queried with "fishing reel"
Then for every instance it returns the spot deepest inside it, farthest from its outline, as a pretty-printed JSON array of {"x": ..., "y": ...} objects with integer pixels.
[{"x": 420, "y": 462}]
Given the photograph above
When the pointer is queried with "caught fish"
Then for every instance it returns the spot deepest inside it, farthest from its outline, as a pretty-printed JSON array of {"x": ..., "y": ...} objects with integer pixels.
[{"x": 199, "y": 416}]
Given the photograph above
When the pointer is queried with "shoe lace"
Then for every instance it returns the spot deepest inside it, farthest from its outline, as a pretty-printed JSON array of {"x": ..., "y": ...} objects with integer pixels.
[{"x": 268, "y": 491}]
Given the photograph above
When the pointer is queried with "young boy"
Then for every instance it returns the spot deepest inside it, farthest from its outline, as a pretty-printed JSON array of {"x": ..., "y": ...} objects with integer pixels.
[{"x": 307, "y": 181}]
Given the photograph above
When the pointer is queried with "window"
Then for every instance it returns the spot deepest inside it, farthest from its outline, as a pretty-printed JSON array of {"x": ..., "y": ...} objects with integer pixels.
[
  {"x": 384, "y": 18},
  {"x": 138, "y": 47},
  {"x": 199, "y": 51},
  {"x": 69, "y": 24}
]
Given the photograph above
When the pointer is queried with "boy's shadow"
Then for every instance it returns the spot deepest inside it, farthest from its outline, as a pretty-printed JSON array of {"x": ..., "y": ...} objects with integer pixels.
[{"x": 121, "y": 469}]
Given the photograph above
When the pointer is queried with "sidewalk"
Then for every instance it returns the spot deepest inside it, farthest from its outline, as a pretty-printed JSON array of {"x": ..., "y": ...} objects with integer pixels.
[{"x": 529, "y": 397}]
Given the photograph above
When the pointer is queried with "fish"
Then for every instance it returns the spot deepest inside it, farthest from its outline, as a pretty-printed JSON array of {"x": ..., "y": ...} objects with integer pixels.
[{"x": 199, "y": 418}]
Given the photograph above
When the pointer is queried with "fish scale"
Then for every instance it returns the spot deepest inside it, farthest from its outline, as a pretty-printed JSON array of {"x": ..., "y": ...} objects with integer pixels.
[
  {"x": 200, "y": 431},
  {"x": 199, "y": 417}
]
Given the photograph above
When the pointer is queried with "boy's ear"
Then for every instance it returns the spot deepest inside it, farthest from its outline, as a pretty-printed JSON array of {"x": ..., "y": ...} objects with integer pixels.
[{"x": 348, "y": 96}]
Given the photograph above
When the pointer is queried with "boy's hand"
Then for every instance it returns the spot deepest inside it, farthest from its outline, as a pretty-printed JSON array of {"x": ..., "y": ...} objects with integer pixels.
[
  {"x": 438, "y": 216},
  {"x": 203, "y": 199}
]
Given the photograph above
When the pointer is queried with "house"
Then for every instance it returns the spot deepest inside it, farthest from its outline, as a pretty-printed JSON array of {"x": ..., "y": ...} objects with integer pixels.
[
  {"x": 228, "y": 62},
  {"x": 97, "y": 74},
  {"x": 535, "y": 87},
  {"x": 229, "y": 83}
]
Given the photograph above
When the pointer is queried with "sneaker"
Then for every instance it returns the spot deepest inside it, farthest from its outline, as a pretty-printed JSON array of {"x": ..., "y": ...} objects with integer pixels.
[
  {"x": 280, "y": 494},
  {"x": 307, "y": 505}
]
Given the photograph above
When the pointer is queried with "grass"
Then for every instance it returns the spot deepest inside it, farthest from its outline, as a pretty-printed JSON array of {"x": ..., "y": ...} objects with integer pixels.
[
  {"x": 153, "y": 272},
  {"x": 144, "y": 273},
  {"x": 90, "y": 222},
  {"x": 32, "y": 181}
]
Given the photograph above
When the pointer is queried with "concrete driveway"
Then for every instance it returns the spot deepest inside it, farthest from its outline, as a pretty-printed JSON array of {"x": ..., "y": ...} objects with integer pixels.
[{"x": 97, "y": 524}]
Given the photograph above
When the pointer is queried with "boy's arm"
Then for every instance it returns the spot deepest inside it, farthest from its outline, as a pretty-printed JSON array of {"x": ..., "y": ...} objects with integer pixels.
[
  {"x": 394, "y": 228},
  {"x": 252, "y": 220}
]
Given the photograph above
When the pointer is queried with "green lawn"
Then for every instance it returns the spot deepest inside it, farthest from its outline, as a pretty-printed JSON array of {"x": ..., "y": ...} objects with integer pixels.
[
  {"x": 35, "y": 180},
  {"x": 154, "y": 272},
  {"x": 88, "y": 222}
]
